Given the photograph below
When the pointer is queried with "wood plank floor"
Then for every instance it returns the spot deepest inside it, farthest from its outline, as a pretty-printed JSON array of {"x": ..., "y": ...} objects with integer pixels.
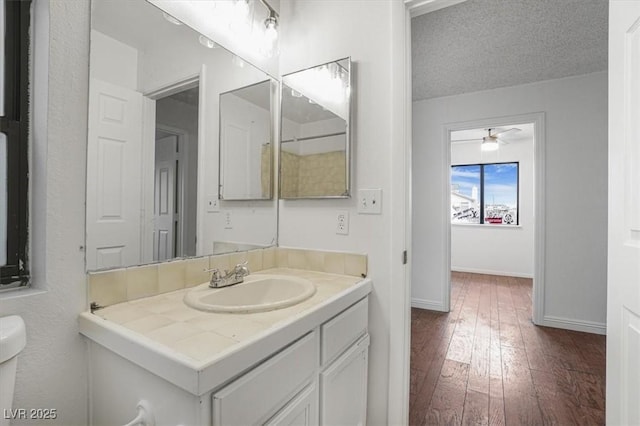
[{"x": 485, "y": 363}]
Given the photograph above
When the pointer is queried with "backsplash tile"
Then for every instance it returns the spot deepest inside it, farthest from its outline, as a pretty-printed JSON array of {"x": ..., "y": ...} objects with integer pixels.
[
  {"x": 355, "y": 264},
  {"x": 135, "y": 283},
  {"x": 334, "y": 263},
  {"x": 297, "y": 259},
  {"x": 255, "y": 260},
  {"x": 237, "y": 259},
  {"x": 282, "y": 257},
  {"x": 196, "y": 273},
  {"x": 323, "y": 261},
  {"x": 269, "y": 258},
  {"x": 171, "y": 276},
  {"x": 142, "y": 281},
  {"x": 108, "y": 287},
  {"x": 315, "y": 260},
  {"x": 220, "y": 262}
]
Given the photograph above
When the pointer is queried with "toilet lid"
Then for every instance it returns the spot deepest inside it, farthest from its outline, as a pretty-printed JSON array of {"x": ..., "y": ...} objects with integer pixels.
[{"x": 13, "y": 337}]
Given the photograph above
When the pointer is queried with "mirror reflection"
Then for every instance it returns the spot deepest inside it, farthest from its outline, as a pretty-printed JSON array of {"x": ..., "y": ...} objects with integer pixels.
[
  {"x": 245, "y": 142},
  {"x": 314, "y": 139},
  {"x": 153, "y": 148}
]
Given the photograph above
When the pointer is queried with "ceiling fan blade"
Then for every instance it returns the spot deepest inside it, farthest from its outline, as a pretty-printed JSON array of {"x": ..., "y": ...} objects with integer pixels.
[
  {"x": 504, "y": 142},
  {"x": 467, "y": 140},
  {"x": 506, "y": 131}
]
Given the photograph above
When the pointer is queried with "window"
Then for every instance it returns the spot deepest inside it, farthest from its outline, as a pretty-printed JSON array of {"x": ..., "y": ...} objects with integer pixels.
[
  {"x": 15, "y": 17},
  {"x": 485, "y": 193}
]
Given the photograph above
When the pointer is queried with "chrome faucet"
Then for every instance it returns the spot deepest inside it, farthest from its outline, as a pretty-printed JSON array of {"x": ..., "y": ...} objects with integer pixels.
[{"x": 235, "y": 276}]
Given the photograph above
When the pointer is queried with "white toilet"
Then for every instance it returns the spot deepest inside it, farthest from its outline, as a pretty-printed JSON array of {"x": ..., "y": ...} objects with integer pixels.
[{"x": 13, "y": 338}]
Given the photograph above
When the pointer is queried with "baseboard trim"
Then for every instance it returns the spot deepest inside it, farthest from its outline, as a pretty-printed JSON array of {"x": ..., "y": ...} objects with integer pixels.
[
  {"x": 490, "y": 272},
  {"x": 575, "y": 325},
  {"x": 428, "y": 304}
]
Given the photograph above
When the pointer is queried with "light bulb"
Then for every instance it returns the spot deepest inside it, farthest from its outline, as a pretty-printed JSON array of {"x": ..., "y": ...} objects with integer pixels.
[
  {"x": 206, "y": 42},
  {"x": 171, "y": 19},
  {"x": 489, "y": 145},
  {"x": 242, "y": 8},
  {"x": 237, "y": 62},
  {"x": 270, "y": 36}
]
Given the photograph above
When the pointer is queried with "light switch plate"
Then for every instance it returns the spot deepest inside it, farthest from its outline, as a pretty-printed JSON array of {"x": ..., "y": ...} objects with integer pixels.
[
  {"x": 213, "y": 204},
  {"x": 342, "y": 222},
  {"x": 370, "y": 201},
  {"x": 228, "y": 220}
]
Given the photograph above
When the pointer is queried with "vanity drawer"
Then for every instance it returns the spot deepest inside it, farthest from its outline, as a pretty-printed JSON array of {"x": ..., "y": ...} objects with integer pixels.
[
  {"x": 344, "y": 329},
  {"x": 260, "y": 393}
]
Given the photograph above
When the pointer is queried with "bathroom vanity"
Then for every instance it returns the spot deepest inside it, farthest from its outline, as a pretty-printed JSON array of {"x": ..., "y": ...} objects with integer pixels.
[
  {"x": 305, "y": 364},
  {"x": 155, "y": 332}
]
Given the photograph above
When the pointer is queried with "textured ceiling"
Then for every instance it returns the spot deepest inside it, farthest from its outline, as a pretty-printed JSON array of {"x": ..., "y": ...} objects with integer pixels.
[{"x": 485, "y": 44}]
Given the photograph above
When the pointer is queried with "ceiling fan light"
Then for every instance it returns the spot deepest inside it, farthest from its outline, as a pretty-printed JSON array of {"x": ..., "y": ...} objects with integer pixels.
[{"x": 489, "y": 144}]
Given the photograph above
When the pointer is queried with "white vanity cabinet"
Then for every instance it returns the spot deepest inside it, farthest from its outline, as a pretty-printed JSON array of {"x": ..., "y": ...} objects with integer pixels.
[
  {"x": 319, "y": 378},
  {"x": 288, "y": 382}
]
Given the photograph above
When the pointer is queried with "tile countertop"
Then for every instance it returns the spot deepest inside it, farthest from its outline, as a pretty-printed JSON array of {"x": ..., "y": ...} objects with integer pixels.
[{"x": 199, "y": 351}]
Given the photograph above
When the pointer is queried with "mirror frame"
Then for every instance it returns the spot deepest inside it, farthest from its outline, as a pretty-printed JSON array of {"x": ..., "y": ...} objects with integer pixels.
[
  {"x": 347, "y": 193},
  {"x": 273, "y": 88}
]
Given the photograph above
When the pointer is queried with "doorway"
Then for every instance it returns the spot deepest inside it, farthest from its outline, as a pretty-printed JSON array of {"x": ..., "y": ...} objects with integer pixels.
[
  {"x": 509, "y": 185},
  {"x": 491, "y": 191},
  {"x": 175, "y": 174}
]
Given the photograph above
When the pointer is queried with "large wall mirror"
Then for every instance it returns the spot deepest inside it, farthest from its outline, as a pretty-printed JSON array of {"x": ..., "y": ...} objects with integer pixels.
[
  {"x": 154, "y": 165},
  {"x": 315, "y": 132}
]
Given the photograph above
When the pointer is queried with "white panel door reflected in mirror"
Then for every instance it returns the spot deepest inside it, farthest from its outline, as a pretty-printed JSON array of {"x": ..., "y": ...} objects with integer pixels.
[
  {"x": 246, "y": 151},
  {"x": 315, "y": 132},
  {"x": 153, "y": 146}
]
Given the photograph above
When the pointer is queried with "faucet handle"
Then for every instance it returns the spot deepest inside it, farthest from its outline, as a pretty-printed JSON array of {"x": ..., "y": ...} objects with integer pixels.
[
  {"x": 215, "y": 272},
  {"x": 242, "y": 268}
]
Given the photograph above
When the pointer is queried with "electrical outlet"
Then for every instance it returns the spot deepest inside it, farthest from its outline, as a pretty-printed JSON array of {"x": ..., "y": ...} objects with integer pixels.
[
  {"x": 213, "y": 204},
  {"x": 228, "y": 220},
  {"x": 370, "y": 201},
  {"x": 342, "y": 222}
]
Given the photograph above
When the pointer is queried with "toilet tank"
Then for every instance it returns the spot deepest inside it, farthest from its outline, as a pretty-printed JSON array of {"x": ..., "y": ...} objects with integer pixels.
[{"x": 13, "y": 339}]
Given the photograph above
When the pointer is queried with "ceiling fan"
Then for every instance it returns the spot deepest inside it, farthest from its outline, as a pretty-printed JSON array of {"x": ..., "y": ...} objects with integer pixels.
[{"x": 491, "y": 141}]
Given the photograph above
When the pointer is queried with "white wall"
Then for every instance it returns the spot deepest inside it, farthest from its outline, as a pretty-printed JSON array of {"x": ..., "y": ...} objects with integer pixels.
[
  {"x": 312, "y": 33},
  {"x": 576, "y": 194},
  {"x": 497, "y": 250},
  {"x": 113, "y": 61},
  {"x": 52, "y": 367}
]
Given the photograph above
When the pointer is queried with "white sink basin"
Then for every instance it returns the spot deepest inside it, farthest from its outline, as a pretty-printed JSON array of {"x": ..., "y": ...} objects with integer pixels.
[{"x": 258, "y": 293}]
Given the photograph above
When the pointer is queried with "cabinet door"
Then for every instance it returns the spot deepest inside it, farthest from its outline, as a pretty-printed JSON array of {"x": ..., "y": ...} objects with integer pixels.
[
  {"x": 344, "y": 387},
  {"x": 301, "y": 411},
  {"x": 263, "y": 391}
]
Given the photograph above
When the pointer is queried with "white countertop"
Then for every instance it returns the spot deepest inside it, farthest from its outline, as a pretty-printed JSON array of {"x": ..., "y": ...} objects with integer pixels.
[{"x": 199, "y": 351}]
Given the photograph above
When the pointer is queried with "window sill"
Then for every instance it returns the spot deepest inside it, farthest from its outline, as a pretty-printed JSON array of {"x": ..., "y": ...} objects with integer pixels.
[
  {"x": 486, "y": 225},
  {"x": 20, "y": 292}
]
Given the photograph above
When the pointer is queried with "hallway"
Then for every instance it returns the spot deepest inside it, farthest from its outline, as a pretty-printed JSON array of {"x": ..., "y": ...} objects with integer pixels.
[{"x": 486, "y": 363}]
